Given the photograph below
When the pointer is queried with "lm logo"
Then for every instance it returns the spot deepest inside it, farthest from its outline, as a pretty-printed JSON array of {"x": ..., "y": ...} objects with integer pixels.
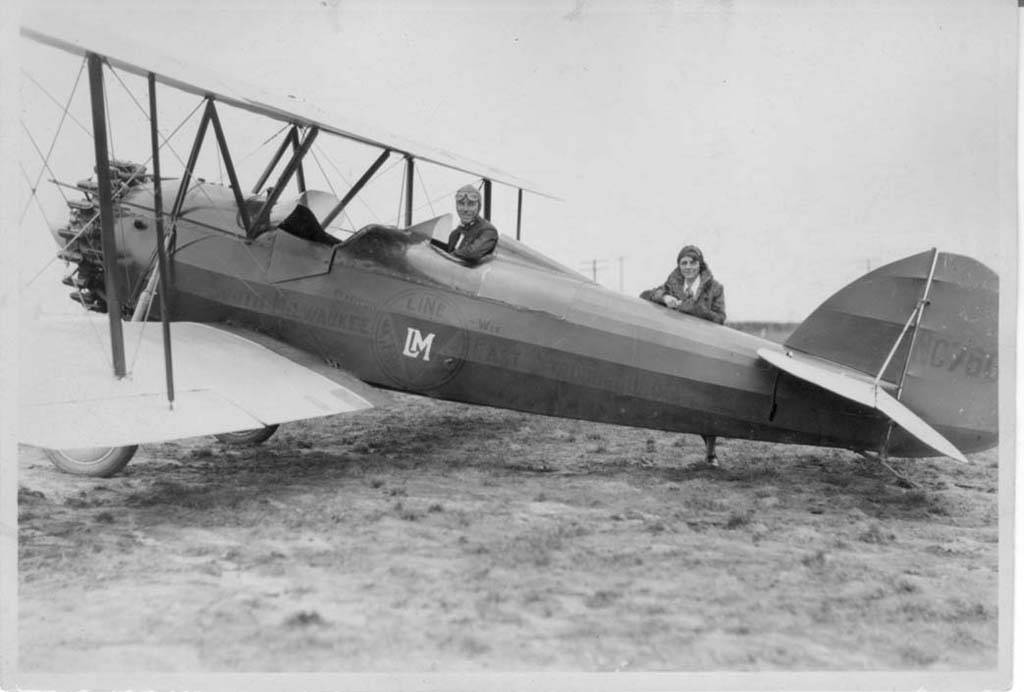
[
  {"x": 419, "y": 340},
  {"x": 416, "y": 344}
]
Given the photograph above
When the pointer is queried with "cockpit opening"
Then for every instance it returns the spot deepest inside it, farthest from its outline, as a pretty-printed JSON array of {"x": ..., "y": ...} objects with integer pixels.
[
  {"x": 302, "y": 222},
  {"x": 301, "y": 216}
]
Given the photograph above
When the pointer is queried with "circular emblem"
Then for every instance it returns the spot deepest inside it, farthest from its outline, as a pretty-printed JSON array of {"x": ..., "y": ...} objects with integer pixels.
[{"x": 419, "y": 340}]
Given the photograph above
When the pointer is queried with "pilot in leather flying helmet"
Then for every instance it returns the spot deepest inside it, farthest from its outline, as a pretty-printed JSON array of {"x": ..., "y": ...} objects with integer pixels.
[{"x": 475, "y": 237}]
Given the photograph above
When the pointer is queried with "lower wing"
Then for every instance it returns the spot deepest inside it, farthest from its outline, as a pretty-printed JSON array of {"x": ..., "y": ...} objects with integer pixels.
[{"x": 223, "y": 381}]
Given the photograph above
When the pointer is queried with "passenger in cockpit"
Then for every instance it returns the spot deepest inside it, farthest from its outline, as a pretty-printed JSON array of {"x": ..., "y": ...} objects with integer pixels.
[{"x": 475, "y": 237}]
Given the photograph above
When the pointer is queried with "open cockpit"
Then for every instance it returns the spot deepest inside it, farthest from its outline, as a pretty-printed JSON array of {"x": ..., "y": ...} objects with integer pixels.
[{"x": 301, "y": 216}]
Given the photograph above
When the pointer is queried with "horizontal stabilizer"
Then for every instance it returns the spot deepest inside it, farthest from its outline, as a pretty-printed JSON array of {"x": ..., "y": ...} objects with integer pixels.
[
  {"x": 223, "y": 383},
  {"x": 853, "y": 385}
]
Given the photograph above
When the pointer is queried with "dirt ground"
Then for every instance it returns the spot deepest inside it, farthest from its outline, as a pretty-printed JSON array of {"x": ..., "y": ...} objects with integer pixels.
[{"x": 433, "y": 536}]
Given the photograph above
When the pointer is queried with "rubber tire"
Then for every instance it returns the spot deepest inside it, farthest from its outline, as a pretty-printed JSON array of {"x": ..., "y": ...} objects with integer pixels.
[
  {"x": 96, "y": 462},
  {"x": 248, "y": 437}
]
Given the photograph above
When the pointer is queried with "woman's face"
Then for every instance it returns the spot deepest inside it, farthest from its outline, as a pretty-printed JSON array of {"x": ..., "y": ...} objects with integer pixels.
[{"x": 689, "y": 267}]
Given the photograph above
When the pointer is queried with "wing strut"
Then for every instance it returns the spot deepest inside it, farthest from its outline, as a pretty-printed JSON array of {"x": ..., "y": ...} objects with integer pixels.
[
  {"x": 109, "y": 244},
  {"x": 282, "y": 181},
  {"x": 291, "y": 138},
  {"x": 210, "y": 116},
  {"x": 360, "y": 184},
  {"x": 159, "y": 273},
  {"x": 186, "y": 176},
  {"x": 211, "y": 112},
  {"x": 161, "y": 251},
  {"x": 300, "y": 174},
  {"x": 409, "y": 169},
  {"x": 487, "y": 199}
]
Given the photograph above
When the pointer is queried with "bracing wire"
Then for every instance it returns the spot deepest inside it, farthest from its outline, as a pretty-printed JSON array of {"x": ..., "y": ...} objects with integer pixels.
[
  {"x": 265, "y": 142},
  {"x": 334, "y": 166},
  {"x": 65, "y": 110},
  {"x": 52, "y": 98},
  {"x": 95, "y": 329},
  {"x": 33, "y": 195},
  {"x": 379, "y": 173},
  {"x": 95, "y": 216},
  {"x": 448, "y": 194},
  {"x": 167, "y": 139},
  {"x": 327, "y": 179},
  {"x": 323, "y": 173},
  {"x": 46, "y": 167},
  {"x": 220, "y": 167},
  {"x": 426, "y": 195},
  {"x": 401, "y": 199},
  {"x": 33, "y": 187},
  {"x": 376, "y": 177}
]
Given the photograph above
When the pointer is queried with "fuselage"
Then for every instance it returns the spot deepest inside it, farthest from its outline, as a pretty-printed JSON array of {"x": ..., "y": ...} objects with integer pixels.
[{"x": 518, "y": 331}]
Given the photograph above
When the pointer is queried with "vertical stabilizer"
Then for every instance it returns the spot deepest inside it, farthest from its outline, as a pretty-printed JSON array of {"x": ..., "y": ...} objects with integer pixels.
[{"x": 950, "y": 378}]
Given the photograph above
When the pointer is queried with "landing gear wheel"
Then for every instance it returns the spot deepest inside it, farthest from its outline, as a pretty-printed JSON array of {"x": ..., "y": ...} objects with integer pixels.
[
  {"x": 98, "y": 462},
  {"x": 248, "y": 437}
]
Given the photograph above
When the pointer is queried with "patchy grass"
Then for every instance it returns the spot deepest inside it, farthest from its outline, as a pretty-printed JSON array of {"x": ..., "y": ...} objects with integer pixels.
[
  {"x": 738, "y": 519},
  {"x": 439, "y": 536},
  {"x": 305, "y": 618},
  {"x": 876, "y": 534}
]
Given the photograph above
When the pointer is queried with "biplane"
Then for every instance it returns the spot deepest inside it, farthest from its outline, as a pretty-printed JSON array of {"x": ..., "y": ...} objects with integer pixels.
[{"x": 268, "y": 317}]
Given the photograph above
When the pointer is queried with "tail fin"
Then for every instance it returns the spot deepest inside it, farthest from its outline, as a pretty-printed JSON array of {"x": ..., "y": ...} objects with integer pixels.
[{"x": 951, "y": 378}]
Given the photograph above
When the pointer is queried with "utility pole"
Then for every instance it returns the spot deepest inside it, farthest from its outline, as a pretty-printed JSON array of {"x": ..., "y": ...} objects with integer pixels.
[{"x": 593, "y": 265}]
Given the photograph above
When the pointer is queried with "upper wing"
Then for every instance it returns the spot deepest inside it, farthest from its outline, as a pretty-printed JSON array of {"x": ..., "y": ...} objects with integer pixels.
[
  {"x": 853, "y": 385},
  {"x": 120, "y": 52},
  {"x": 223, "y": 383}
]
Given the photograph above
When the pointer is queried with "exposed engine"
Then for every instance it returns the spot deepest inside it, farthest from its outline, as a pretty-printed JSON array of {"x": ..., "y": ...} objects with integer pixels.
[{"x": 80, "y": 239}]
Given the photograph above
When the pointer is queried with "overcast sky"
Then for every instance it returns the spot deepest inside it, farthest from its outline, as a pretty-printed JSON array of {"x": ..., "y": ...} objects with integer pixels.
[{"x": 797, "y": 143}]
